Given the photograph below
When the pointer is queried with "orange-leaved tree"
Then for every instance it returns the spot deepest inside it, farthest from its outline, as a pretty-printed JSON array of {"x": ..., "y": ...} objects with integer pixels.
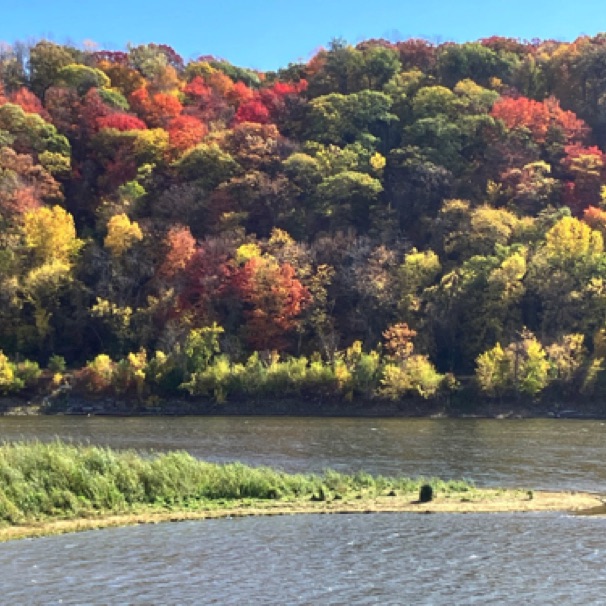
[
  {"x": 539, "y": 117},
  {"x": 274, "y": 298}
]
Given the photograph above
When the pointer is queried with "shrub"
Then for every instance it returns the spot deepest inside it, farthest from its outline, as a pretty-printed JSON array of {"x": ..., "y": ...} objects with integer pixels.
[
  {"x": 343, "y": 378},
  {"x": 129, "y": 374},
  {"x": 56, "y": 364},
  {"x": 492, "y": 371},
  {"x": 27, "y": 373},
  {"x": 213, "y": 380},
  {"x": 522, "y": 367},
  {"x": 366, "y": 373},
  {"x": 15, "y": 377},
  {"x": 272, "y": 378},
  {"x": 8, "y": 381},
  {"x": 201, "y": 346},
  {"x": 415, "y": 376},
  {"x": 97, "y": 375},
  {"x": 164, "y": 373}
]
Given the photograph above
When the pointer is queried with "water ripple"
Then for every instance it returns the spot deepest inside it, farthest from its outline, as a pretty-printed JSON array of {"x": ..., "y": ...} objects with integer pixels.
[{"x": 370, "y": 559}]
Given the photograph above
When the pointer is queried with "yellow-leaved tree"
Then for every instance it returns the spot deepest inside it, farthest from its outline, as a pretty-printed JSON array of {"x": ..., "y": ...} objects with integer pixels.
[
  {"x": 571, "y": 241},
  {"x": 50, "y": 235},
  {"x": 52, "y": 246},
  {"x": 122, "y": 233},
  {"x": 566, "y": 276}
]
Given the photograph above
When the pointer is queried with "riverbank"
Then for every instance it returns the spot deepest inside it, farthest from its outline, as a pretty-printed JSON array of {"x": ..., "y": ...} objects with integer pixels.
[
  {"x": 297, "y": 407},
  {"x": 482, "y": 501}
]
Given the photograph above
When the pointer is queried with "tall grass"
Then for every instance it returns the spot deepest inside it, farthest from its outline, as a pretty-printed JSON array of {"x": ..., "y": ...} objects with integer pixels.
[{"x": 39, "y": 480}]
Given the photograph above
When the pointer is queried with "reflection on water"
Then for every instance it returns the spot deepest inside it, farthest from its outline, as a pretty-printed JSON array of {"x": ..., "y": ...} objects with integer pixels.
[
  {"x": 341, "y": 559},
  {"x": 548, "y": 454}
]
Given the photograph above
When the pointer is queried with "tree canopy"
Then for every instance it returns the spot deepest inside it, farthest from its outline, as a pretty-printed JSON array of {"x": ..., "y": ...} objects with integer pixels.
[{"x": 451, "y": 192}]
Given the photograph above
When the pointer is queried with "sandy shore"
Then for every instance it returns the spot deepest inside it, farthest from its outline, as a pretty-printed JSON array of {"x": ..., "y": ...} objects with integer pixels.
[{"x": 481, "y": 501}]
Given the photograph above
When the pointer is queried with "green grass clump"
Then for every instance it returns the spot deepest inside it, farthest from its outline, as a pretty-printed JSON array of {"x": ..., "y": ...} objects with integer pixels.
[{"x": 39, "y": 480}]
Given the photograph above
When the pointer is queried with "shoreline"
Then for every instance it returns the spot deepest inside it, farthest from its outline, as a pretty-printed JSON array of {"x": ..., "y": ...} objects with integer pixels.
[
  {"x": 492, "y": 501},
  {"x": 296, "y": 407}
]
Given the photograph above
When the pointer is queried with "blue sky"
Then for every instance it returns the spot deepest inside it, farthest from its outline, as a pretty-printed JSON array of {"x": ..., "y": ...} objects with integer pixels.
[{"x": 266, "y": 34}]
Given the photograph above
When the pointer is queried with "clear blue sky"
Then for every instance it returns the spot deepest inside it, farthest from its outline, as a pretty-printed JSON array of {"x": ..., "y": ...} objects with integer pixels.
[{"x": 266, "y": 34}]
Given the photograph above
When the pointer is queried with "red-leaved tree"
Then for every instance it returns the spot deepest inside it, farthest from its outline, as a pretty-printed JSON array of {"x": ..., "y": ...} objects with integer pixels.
[
  {"x": 274, "y": 298},
  {"x": 186, "y": 131},
  {"x": 586, "y": 167},
  {"x": 539, "y": 117},
  {"x": 121, "y": 121}
]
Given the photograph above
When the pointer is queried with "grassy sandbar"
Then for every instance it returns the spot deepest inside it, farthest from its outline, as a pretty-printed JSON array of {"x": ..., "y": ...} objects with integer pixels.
[{"x": 55, "y": 488}]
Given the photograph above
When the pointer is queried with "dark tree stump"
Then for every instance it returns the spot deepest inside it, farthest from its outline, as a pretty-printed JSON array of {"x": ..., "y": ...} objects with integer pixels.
[{"x": 425, "y": 494}]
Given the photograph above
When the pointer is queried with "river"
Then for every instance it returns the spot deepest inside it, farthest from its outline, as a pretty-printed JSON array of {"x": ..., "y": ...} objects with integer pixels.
[
  {"x": 539, "y": 454},
  {"x": 342, "y": 559}
]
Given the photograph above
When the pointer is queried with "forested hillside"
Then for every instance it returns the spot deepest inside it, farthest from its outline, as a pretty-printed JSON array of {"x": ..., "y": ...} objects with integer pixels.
[{"x": 378, "y": 221}]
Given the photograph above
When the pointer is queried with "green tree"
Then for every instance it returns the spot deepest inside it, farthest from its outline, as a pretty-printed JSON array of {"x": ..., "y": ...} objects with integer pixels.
[
  {"x": 349, "y": 197},
  {"x": 453, "y": 128},
  {"x": 472, "y": 60},
  {"x": 492, "y": 371},
  {"x": 33, "y": 135},
  {"x": 379, "y": 65},
  {"x": 83, "y": 78},
  {"x": 418, "y": 272},
  {"x": 207, "y": 164},
  {"x": 340, "y": 119},
  {"x": 46, "y": 59}
]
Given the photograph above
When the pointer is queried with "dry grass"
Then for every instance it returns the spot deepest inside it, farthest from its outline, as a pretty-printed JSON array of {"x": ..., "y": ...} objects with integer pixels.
[{"x": 481, "y": 501}]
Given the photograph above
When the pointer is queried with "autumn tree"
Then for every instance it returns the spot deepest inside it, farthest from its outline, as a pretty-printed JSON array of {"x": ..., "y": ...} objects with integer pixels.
[
  {"x": 24, "y": 185},
  {"x": 185, "y": 132},
  {"x": 274, "y": 299},
  {"x": 539, "y": 118},
  {"x": 155, "y": 109},
  {"x": 530, "y": 188},
  {"x": 587, "y": 169},
  {"x": 121, "y": 121},
  {"x": 206, "y": 286},
  {"x": 521, "y": 368},
  {"x": 122, "y": 233},
  {"x": 29, "y": 102},
  {"x": 181, "y": 247},
  {"x": 31, "y": 134},
  {"x": 565, "y": 277},
  {"x": 51, "y": 247}
]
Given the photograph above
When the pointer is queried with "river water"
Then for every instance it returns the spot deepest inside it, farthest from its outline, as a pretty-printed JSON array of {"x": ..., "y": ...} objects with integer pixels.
[
  {"x": 341, "y": 559},
  {"x": 539, "y": 454}
]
